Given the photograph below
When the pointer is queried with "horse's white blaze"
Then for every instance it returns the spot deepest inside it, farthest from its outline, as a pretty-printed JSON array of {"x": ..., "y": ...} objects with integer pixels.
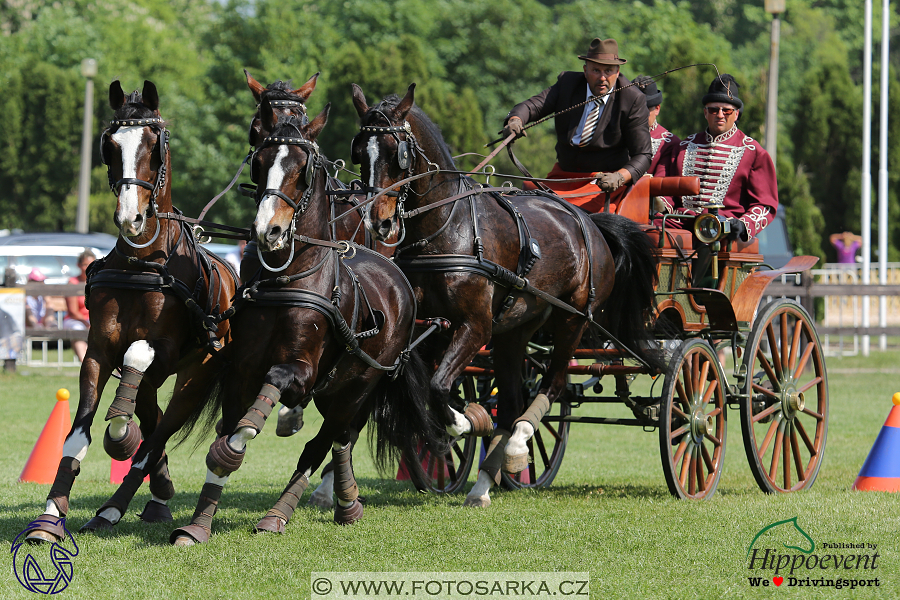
[
  {"x": 238, "y": 441},
  {"x": 372, "y": 151},
  {"x": 266, "y": 211},
  {"x": 129, "y": 140},
  {"x": 139, "y": 355},
  {"x": 76, "y": 445},
  {"x": 518, "y": 441},
  {"x": 460, "y": 424}
]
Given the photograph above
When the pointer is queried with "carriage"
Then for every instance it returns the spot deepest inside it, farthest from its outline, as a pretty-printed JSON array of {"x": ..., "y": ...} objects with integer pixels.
[{"x": 776, "y": 379}]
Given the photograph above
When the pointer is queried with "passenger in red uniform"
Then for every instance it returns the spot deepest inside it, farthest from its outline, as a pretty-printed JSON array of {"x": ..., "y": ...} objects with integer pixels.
[
  {"x": 661, "y": 139},
  {"x": 734, "y": 170}
]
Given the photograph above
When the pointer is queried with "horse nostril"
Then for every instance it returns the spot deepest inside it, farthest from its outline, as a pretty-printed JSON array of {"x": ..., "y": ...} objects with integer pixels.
[
  {"x": 385, "y": 226},
  {"x": 274, "y": 233},
  {"x": 138, "y": 219}
]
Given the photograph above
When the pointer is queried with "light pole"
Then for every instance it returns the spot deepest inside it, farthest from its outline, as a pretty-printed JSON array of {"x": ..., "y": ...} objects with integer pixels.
[
  {"x": 89, "y": 71},
  {"x": 775, "y": 8}
]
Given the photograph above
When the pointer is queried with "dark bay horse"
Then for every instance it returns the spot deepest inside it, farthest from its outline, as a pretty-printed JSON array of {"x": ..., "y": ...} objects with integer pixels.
[
  {"x": 152, "y": 303},
  {"x": 499, "y": 266},
  {"x": 327, "y": 321}
]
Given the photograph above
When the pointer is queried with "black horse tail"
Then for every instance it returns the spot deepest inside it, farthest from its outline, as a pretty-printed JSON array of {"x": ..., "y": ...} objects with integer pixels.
[
  {"x": 632, "y": 297},
  {"x": 405, "y": 415},
  {"x": 208, "y": 410}
]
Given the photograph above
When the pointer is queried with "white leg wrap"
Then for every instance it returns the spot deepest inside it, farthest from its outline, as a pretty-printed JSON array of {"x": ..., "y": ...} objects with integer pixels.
[
  {"x": 76, "y": 446},
  {"x": 518, "y": 440},
  {"x": 155, "y": 499},
  {"x": 238, "y": 441},
  {"x": 213, "y": 478},
  {"x": 323, "y": 496},
  {"x": 460, "y": 426},
  {"x": 51, "y": 508},
  {"x": 111, "y": 514}
]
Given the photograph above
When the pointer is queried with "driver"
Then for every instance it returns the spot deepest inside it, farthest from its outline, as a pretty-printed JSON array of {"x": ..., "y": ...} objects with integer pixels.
[{"x": 607, "y": 139}]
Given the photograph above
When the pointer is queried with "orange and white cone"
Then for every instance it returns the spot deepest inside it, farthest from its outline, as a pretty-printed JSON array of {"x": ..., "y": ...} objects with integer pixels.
[{"x": 44, "y": 460}]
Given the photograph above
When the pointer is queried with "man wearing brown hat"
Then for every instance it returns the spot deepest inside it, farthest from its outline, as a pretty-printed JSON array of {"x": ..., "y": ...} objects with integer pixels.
[
  {"x": 607, "y": 139},
  {"x": 735, "y": 171}
]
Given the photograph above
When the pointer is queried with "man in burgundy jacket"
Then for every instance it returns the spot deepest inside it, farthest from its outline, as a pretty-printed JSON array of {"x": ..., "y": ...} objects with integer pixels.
[
  {"x": 735, "y": 172},
  {"x": 662, "y": 140},
  {"x": 607, "y": 138}
]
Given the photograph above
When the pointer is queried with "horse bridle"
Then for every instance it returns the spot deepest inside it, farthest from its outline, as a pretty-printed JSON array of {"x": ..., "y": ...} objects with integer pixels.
[
  {"x": 156, "y": 187},
  {"x": 313, "y": 164}
]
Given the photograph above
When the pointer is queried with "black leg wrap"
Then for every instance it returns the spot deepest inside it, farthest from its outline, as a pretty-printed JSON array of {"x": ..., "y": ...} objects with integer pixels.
[
  {"x": 124, "y": 448},
  {"x": 201, "y": 524},
  {"x": 222, "y": 459},
  {"x": 68, "y": 470},
  {"x": 494, "y": 457},
  {"x": 161, "y": 484},
  {"x": 126, "y": 393},
  {"x": 344, "y": 483},
  {"x": 283, "y": 510},
  {"x": 260, "y": 410}
]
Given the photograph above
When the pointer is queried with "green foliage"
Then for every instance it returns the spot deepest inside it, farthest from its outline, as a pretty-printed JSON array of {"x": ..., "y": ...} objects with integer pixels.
[{"x": 472, "y": 60}]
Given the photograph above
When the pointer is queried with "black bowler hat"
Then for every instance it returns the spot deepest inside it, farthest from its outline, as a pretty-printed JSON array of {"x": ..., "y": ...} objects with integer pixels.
[
  {"x": 648, "y": 86},
  {"x": 723, "y": 89}
]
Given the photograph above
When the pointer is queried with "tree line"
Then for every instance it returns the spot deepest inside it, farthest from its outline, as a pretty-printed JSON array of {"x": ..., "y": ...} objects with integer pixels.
[{"x": 472, "y": 61}]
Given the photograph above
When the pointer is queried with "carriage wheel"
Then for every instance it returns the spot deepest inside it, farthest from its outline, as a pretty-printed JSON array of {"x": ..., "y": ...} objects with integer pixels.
[
  {"x": 692, "y": 423},
  {"x": 447, "y": 474},
  {"x": 545, "y": 451},
  {"x": 785, "y": 420}
]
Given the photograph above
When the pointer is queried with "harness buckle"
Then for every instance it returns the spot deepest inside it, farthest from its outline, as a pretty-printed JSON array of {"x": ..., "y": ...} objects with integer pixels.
[
  {"x": 197, "y": 232},
  {"x": 345, "y": 247}
]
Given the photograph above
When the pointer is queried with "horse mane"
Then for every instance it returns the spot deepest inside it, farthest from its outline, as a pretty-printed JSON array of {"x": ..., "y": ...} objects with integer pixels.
[
  {"x": 423, "y": 120},
  {"x": 134, "y": 108},
  {"x": 293, "y": 122}
]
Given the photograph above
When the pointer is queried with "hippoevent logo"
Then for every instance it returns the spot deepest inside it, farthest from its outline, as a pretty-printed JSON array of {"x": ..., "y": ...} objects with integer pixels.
[
  {"x": 42, "y": 569},
  {"x": 782, "y": 553}
]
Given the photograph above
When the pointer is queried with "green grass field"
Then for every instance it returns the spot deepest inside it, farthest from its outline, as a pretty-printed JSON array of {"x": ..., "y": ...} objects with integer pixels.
[{"x": 608, "y": 512}]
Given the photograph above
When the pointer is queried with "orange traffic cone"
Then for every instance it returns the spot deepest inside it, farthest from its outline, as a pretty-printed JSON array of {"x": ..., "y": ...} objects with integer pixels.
[
  {"x": 881, "y": 471},
  {"x": 118, "y": 469},
  {"x": 44, "y": 460}
]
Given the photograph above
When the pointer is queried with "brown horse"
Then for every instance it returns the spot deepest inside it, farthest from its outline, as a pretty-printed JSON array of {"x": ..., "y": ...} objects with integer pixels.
[
  {"x": 150, "y": 302},
  {"x": 327, "y": 321},
  {"x": 499, "y": 266}
]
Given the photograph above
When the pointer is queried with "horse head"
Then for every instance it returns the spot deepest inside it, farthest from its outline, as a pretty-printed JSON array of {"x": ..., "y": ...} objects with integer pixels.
[
  {"x": 383, "y": 149},
  {"x": 284, "y": 169},
  {"x": 134, "y": 149},
  {"x": 283, "y": 101}
]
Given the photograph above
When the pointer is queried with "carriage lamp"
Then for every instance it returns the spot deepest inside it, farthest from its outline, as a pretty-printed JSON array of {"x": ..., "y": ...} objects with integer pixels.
[{"x": 711, "y": 227}]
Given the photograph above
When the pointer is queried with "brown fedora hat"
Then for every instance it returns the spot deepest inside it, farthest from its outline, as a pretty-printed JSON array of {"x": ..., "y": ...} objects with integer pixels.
[{"x": 604, "y": 52}]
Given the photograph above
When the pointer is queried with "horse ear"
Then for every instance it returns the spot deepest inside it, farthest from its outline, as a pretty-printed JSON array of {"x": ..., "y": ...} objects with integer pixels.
[
  {"x": 116, "y": 95},
  {"x": 149, "y": 96},
  {"x": 267, "y": 115},
  {"x": 407, "y": 103},
  {"x": 255, "y": 86},
  {"x": 305, "y": 90},
  {"x": 359, "y": 100},
  {"x": 315, "y": 126}
]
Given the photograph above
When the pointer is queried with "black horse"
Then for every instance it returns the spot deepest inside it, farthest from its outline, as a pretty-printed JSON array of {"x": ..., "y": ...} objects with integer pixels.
[
  {"x": 500, "y": 265},
  {"x": 327, "y": 321}
]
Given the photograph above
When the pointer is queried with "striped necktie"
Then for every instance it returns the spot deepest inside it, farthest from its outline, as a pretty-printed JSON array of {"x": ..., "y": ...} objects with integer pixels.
[{"x": 590, "y": 124}]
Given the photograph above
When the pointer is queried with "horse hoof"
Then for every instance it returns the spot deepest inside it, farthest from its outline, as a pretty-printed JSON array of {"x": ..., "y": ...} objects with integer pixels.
[
  {"x": 270, "y": 524},
  {"x": 48, "y": 528},
  {"x": 184, "y": 540},
  {"x": 477, "y": 502},
  {"x": 515, "y": 463},
  {"x": 156, "y": 512},
  {"x": 189, "y": 535},
  {"x": 97, "y": 524},
  {"x": 482, "y": 426},
  {"x": 290, "y": 421},
  {"x": 347, "y": 515},
  {"x": 323, "y": 501}
]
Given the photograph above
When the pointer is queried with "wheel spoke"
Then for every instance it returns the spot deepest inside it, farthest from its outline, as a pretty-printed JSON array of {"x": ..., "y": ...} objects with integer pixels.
[
  {"x": 539, "y": 441},
  {"x": 708, "y": 460},
  {"x": 680, "y": 452},
  {"x": 776, "y": 453},
  {"x": 773, "y": 427},
  {"x": 716, "y": 441},
  {"x": 441, "y": 481},
  {"x": 685, "y": 466},
  {"x": 553, "y": 432},
  {"x": 773, "y": 350},
  {"x": 701, "y": 481},
  {"x": 532, "y": 467},
  {"x": 786, "y": 462},
  {"x": 681, "y": 430},
  {"x": 795, "y": 345},
  {"x": 784, "y": 342},
  {"x": 704, "y": 373},
  {"x": 762, "y": 415},
  {"x": 815, "y": 381},
  {"x": 692, "y": 472},
  {"x": 806, "y": 440},
  {"x": 807, "y": 352},
  {"x": 709, "y": 392},
  {"x": 687, "y": 379},
  {"x": 681, "y": 396},
  {"x": 798, "y": 461},
  {"x": 678, "y": 412},
  {"x": 767, "y": 367},
  {"x": 715, "y": 412},
  {"x": 764, "y": 390},
  {"x": 458, "y": 450}
]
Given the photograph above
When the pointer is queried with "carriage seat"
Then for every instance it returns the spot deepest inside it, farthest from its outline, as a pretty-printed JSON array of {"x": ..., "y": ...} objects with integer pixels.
[
  {"x": 636, "y": 205},
  {"x": 675, "y": 238}
]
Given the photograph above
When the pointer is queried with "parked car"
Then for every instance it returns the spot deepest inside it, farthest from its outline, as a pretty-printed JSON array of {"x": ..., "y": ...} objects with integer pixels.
[
  {"x": 54, "y": 254},
  {"x": 774, "y": 243}
]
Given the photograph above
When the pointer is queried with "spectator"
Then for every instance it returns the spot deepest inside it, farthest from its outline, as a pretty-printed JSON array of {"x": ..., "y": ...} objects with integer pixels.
[
  {"x": 846, "y": 244},
  {"x": 76, "y": 312},
  {"x": 37, "y": 312}
]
